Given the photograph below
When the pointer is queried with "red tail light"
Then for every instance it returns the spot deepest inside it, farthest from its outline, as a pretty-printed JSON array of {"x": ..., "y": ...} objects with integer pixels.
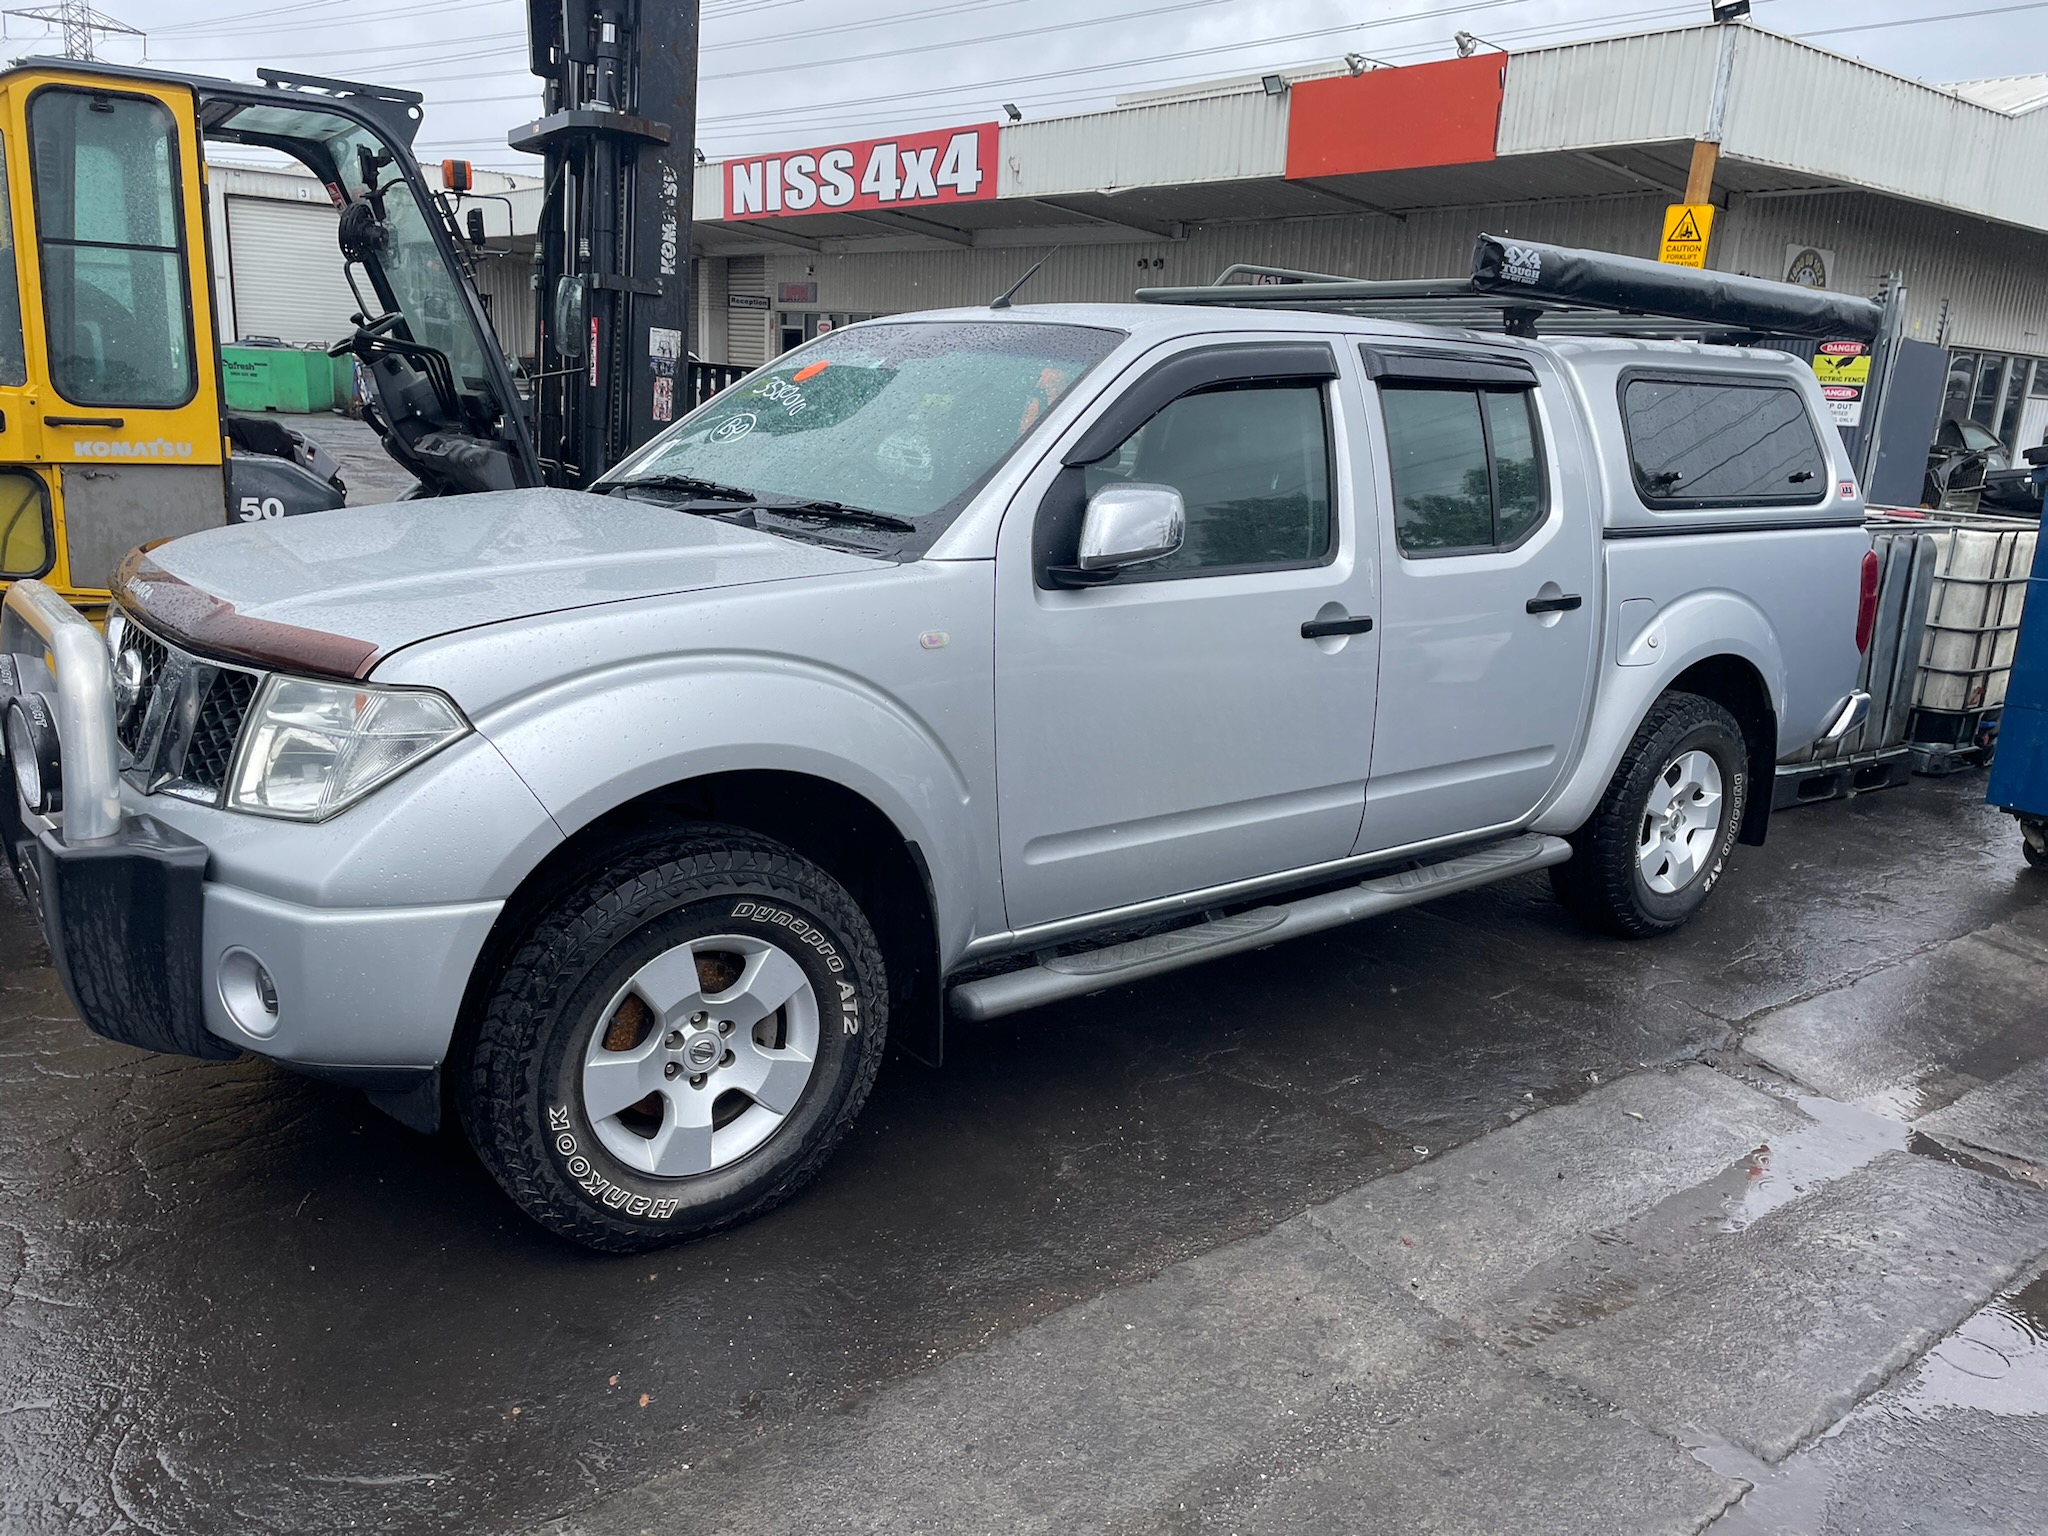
[{"x": 1866, "y": 603}]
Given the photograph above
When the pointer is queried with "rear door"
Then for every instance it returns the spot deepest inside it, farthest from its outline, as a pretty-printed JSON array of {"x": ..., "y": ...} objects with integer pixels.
[
  {"x": 1489, "y": 602},
  {"x": 1175, "y": 729}
]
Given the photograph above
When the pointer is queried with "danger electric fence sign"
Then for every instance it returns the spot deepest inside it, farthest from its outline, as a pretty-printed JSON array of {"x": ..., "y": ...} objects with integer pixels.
[
  {"x": 1686, "y": 228},
  {"x": 911, "y": 170},
  {"x": 1843, "y": 368}
]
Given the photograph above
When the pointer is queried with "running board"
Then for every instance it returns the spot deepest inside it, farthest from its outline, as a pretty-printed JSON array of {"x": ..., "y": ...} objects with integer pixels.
[{"x": 1093, "y": 970}]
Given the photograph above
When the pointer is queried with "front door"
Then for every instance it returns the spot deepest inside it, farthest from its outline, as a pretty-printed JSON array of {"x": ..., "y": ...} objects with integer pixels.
[
  {"x": 121, "y": 335},
  {"x": 1174, "y": 729},
  {"x": 1488, "y": 606}
]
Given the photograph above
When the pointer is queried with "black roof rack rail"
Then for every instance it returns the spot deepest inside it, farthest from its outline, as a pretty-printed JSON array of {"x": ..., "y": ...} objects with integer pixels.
[{"x": 1526, "y": 289}]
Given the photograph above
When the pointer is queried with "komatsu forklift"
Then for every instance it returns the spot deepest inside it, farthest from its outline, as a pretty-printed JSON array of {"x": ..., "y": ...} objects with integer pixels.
[{"x": 114, "y": 430}]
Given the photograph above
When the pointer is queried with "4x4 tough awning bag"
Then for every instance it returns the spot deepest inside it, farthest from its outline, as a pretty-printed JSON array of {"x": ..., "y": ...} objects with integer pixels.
[{"x": 1559, "y": 274}]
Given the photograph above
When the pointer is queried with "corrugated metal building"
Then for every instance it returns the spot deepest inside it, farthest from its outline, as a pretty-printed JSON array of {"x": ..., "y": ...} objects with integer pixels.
[{"x": 1814, "y": 162}]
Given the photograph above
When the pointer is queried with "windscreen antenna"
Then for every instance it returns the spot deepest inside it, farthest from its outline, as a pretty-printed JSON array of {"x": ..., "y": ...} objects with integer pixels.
[{"x": 1010, "y": 292}]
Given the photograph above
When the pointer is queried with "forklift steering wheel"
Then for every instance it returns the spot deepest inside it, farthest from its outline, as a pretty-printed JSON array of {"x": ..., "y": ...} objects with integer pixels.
[{"x": 376, "y": 327}]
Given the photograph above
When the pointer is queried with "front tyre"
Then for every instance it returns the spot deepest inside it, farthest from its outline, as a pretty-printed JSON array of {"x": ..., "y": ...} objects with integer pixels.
[
  {"x": 1651, "y": 853},
  {"x": 679, "y": 1044}
]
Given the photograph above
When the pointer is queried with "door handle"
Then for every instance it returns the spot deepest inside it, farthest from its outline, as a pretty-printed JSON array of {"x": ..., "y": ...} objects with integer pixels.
[
  {"x": 1564, "y": 604},
  {"x": 114, "y": 422},
  {"x": 1323, "y": 629}
]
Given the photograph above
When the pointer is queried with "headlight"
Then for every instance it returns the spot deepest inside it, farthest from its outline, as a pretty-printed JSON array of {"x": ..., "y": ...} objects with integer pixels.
[{"x": 312, "y": 749}]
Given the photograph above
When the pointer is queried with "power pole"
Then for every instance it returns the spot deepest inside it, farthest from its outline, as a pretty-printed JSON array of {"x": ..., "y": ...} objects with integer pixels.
[{"x": 79, "y": 21}]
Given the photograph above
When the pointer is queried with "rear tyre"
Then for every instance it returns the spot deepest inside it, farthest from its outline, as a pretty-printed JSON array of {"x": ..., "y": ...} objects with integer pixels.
[
  {"x": 679, "y": 1044},
  {"x": 1650, "y": 855}
]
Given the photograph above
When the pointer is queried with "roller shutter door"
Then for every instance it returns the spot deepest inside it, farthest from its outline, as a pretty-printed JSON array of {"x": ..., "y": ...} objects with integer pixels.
[
  {"x": 746, "y": 339},
  {"x": 285, "y": 271}
]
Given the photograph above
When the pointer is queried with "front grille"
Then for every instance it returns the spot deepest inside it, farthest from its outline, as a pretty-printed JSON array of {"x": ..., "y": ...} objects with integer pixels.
[
  {"x": 153, "y": 656},
  {"x": 180, "y": 720},
  {"x": 217, "y": 729}
]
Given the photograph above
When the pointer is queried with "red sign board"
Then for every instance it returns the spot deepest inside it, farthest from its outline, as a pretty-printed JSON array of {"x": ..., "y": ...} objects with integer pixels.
[
  {"x": 911, "y": 170},
  {"x": 1443, "y": 113}
]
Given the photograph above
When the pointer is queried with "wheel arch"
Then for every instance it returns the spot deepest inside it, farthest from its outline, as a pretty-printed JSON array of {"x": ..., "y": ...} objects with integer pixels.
[
  {"x": 1734, "y": 674},
  {"x": 835, "y": 827},
  {"x": 1734, "y": 683}
]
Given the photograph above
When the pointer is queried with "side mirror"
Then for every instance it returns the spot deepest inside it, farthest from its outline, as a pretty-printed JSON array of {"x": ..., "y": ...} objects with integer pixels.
[
  {"x": 1125, "y": 525},
  {"x": 475, "y": 226},
  {"x": 572, "y": 338}
]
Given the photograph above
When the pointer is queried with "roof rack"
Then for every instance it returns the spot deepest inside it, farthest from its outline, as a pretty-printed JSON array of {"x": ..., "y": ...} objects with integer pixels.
[{"x": 1527, "y": 289}]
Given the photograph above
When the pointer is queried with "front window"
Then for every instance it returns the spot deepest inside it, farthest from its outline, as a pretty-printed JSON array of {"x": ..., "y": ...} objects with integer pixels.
[
  {"x": 106, "y": 191},
  {"x": 1252, "y": 465},
  {"x": 906, "y": 420}
]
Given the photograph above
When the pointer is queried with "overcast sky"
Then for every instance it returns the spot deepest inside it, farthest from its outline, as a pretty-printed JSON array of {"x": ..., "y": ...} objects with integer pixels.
[{"x": 795, "y": 73}]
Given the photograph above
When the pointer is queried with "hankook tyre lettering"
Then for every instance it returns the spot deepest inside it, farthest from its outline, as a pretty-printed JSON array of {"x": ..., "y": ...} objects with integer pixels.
[{"x": 678, "y": 1043}]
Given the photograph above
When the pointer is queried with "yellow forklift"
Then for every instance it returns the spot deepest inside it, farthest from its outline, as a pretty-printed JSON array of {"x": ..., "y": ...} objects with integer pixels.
[{"x": 113, "y": 426}]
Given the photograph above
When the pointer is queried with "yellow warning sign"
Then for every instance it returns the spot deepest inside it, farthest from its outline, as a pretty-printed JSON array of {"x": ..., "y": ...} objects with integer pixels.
[
  {"x": 1834, "y": 369},
  {"x": 1686, "y": 228}
]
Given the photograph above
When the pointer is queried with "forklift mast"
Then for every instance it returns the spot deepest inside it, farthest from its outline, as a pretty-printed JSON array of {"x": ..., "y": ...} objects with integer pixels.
[{"x": 616, "y": 137}]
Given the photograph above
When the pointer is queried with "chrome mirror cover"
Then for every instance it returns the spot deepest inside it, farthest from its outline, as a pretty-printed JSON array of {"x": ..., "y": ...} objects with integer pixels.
[{"x": 1131, "y": 525}]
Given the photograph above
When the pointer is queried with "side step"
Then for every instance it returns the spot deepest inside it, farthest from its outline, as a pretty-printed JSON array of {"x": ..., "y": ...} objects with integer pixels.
[{"x": 1093, "y": 970}]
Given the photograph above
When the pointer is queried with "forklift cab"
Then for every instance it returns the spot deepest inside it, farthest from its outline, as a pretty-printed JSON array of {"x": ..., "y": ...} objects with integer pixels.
[{"x": 113, "y": 429}]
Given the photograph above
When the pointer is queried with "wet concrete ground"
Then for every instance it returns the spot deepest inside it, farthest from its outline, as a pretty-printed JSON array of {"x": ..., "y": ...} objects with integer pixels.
[{"x": 1361, "y": 1232}]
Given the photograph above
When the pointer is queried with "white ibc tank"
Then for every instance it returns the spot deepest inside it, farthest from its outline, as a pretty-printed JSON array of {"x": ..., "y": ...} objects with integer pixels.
[{"x": 1973, "y": 616}]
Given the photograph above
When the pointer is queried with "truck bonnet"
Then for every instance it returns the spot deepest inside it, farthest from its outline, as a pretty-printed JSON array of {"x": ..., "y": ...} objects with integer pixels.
[{"x": 332, "y": 594}]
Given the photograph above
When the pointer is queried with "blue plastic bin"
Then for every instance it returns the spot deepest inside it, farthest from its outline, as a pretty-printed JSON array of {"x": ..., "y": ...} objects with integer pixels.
[{"x": 2019, "y": 773}]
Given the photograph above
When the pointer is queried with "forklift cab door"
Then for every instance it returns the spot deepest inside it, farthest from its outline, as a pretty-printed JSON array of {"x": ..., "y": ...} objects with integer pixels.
[
  {"x": 441, "y": 393},
  {"x": 108, "y": 390}
]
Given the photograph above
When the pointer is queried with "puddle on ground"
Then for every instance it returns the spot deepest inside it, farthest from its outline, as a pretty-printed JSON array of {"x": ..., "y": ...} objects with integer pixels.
[
  {"x": 1996, "y": 1362},
  {"x": 1840, "y": 1139},
  {"x": 1901, "y": 1101}
]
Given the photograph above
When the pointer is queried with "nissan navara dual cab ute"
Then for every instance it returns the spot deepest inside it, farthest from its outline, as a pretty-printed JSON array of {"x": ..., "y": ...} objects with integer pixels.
[{"x": 979, "y": 658}]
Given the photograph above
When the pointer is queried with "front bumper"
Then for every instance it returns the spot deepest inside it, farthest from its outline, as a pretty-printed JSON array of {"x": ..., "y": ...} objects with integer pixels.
[
  {"x": 150, "y": 953},
  {"x": 122, "y": 919},
  {"x": 161, "y": 944}
]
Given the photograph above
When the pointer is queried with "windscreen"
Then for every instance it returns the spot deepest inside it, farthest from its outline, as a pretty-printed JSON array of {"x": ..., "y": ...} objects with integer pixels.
[
  {"x": 423, "y": 288},
  {"x": 906, "y": 419}
]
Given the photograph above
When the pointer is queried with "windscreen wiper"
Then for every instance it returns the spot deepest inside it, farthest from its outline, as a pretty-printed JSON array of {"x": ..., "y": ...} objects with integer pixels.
[
  {"x": 688, "y": 485},
  {"x": 835, "y": 512}
]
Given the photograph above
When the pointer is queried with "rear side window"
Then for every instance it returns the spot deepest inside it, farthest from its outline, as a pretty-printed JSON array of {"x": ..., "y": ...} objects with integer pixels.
[
  {"x": 1467, "y": 474},
  {"x": 1709, "y": 442}
]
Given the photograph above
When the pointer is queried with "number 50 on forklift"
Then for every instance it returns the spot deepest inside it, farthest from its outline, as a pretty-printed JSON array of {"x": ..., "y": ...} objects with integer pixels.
[{"x": 951, "y": 165}]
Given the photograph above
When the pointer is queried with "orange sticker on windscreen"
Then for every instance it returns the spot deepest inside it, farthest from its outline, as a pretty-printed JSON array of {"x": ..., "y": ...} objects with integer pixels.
[{"x": 802, "y": 375}]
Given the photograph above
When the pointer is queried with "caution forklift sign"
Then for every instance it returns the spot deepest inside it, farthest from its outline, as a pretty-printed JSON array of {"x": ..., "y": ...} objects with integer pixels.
[{"x": 1686, "y": 227}]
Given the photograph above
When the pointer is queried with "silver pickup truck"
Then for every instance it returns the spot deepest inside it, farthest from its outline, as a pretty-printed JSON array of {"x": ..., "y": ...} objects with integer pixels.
[{"x": 957, "y": 663}]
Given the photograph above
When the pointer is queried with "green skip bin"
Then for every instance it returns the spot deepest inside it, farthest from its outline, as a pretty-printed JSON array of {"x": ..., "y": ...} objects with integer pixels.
[{"x": 277, "y": 379}]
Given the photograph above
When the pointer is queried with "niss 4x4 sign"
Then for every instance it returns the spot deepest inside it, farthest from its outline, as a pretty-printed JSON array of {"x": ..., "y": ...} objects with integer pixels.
[{"x": 912, "y": 170}]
